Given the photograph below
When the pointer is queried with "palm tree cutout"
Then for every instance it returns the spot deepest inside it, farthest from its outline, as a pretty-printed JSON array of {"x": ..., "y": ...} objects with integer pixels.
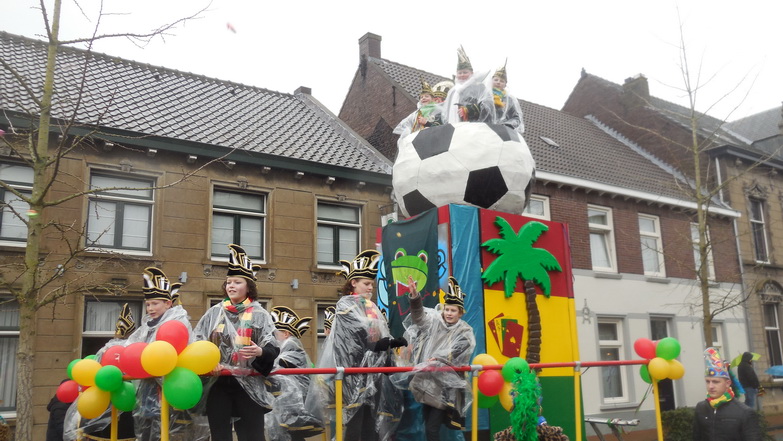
[{"x": 518, "y": 259}]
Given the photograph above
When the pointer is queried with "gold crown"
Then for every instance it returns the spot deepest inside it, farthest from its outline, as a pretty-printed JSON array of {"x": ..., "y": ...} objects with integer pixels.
[
  {"x": 329, "y": 314},
  {"x": 240, "y": 265},
  {"x": 363, "y": 266},
  {"x": 501, "y": 72},
  {"x": 441, "y": 89},
  {"x": 157, "y": 285},
  {"x": 455, "y": 296},
  {"x": 287, "y": 319},
  {"x": 463, "y": 62}
]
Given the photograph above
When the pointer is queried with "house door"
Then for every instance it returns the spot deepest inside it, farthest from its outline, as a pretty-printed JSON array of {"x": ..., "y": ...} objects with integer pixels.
[{"x": 659, "y": 328}]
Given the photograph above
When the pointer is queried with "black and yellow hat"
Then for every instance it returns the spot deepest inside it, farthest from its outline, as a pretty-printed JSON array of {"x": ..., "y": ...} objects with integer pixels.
[
  {"x": 455, "y": 296},
  {"x": 329, "y": 314},
  {"x": 240, "y": 265},
  {"x": 501, "y": 72},
  {"x": 287, "y": 319},
  {"x": 157, "y": 285},
  {"x": 463, "y": 62},
  {"x": 425, "y": 88},
  {"x": 125, "y": 323},
  {"x": 441, "y": 89},
  {"x": 363, "y": 266}
]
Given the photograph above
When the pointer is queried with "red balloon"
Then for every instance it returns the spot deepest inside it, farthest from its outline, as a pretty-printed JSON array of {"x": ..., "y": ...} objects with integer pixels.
[
  {"x": 644, "y": 347},
  {"x": 175, "y": 333},
  {"x": 490, "y": 383},
  {"x": 130, "y": 363},
  {"x": 111, "y": 357},
  {"x": 68, "y": 391}
]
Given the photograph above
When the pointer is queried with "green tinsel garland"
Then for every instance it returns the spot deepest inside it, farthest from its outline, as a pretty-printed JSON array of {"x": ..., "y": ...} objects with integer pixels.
[{"x": 524, "y": 415}]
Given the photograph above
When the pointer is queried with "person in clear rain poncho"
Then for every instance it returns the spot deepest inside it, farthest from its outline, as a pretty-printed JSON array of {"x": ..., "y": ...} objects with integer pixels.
[
  {"x": 439, "y": 339},
  {"x": 507, "y": 109},
  {"x": 427, "y": 114},
  {"x": 469, "y": 99},
  {"x": 244, "y": 332},
  {"x": 289, "y": 420},
  {"x": 359, "y": 338}
]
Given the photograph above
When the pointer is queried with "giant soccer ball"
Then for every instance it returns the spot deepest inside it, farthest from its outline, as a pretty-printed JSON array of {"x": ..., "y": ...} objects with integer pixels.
[{"x": 484, "y": 165}]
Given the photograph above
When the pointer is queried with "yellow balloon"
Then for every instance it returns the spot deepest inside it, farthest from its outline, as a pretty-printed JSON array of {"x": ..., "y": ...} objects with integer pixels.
[
  {"x": 200, "y": 357},
  {"x": 506, "y": 399},
  {"x": 658, "y": 368},
  {"x": 676, "y": 370},
  {"x": 485, "y": 359},
  {"x": 93, "y": 402},
  {"x": 159, "y": 358},
  {"x": 84, "y": 371}
]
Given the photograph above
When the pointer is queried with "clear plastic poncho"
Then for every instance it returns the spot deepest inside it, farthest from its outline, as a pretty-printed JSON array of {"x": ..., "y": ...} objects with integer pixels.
[
  {"x": 219, "y": 326},
  {"x": 432, "y": 112},
  {"x": 288, "y": 415},
  {"x": 357, "y": 326},
  {"x": 473, "y": 95},
  {"x": 435, "y": 345},
  {"x": 507, "y": 109}
]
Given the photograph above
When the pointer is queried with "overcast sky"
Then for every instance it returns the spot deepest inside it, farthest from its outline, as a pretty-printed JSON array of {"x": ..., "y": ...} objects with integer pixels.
[{"x": 281, "y": 45}]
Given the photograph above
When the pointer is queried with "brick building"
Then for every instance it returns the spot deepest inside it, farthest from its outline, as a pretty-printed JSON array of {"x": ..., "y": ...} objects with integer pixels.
[{"x": 274, "y": 172}]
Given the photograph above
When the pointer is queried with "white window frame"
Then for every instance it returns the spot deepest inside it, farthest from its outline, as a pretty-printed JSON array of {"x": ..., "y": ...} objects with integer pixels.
[
  {"x": 124, "y": 198},
  {"x": 137, "y": 308},
  {"x": 337, "y": 225},
  {"x": 538, "y": 199},
  {"x": 760, "y": 245},
  {"x": 657, "y": 249},
  {"x": 717, "y": 336},
  {"x": 606, "y": 233},
  {"x": 772, "y": 332},
  {"x": 696, "y": 257},
  {"x": 619, "y": 372},
  {"x": 220, "y": 252},
  {"x": 15, "y": 176},
  {"x": 8, "y": 376}
]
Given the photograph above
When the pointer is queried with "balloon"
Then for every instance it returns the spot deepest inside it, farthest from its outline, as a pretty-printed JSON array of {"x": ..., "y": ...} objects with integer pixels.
[
  {"x": 514, "y": 366},
  {"x": 645, "y": 374},
  {"x": 200, "y": 357},
  {"x": 485, "y": 402},
  {"x": 111, "y": 357},
  {"x": 644, "y": 347},
  {"x": 92, "y": 402},
  {"x": 130, "y": 363},
  {"x": 658, "y": 368},
  {"x": 676, "y": 370},
  {"x": 485, "y": 360},
  {"x": 506, "y": 397},
  {"x": 90, "y": 357},
  {"x": 668, "y": 348},
  {"x": 490, "y": 383},
  {"x": 159, "y": 358},
  {"x": 175, "y": 333},
  {"x": 109, "y": 378},
  {"x": 182, "y": 388},
  {"x": 70, "y": 367},
  {"x": 84, "y": 372},
  {"x": 68, "y": 391},
  {"x": 124, "y": 398}
]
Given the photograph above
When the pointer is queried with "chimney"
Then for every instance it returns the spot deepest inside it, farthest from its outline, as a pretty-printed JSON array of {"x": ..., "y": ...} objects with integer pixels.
[
  {"x": 636, "y": 91},
  {"x": 303, "y": 90},
  {"x": 370, "y": 45}
]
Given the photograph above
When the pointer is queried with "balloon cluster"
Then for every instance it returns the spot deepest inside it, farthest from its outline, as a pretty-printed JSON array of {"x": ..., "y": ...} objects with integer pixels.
[
  {"x": 661, "y": 356},
  {"x": 497, "y": 385},
  {"x": 169, "y": 356}
]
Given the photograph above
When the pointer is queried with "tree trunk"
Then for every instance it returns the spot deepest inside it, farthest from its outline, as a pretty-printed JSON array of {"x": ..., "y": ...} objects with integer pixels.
[
  {"x": 24, "y": 374},
  {"x": 533, "y": 324}
]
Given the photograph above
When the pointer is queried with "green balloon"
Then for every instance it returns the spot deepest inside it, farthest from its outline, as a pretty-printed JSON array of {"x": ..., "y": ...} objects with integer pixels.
[
  {"x": 667, "y": 348},
  {"x": 513, "y": 367},
  {"x": 90, "y": 357},
  {"x": 182, "y": 388},
  {"x": 70, "y": 367},
  {"x": 108, "y": 378},
  {"x": 485, "y": 402},
  {"x": 124, "y": 398},
  {"x": 645, "y": 374}
]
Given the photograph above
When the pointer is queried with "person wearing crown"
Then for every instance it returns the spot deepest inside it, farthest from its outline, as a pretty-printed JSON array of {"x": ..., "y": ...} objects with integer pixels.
[
  {"x": 289, "y": 420},
  {"x": 427, "y": 114},
  {"x": 440, "y": 338},
  {"x": 244, "y": 332},
  {"x": 469, "y": 99},
  {"x": 328, "y": 318},
  {"x": 720, "y": 416},
  {"x": 507, "y": 109},
  {"x": 359, "y": 338}
]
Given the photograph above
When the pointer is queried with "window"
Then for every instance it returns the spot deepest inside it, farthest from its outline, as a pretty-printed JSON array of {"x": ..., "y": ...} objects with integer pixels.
[
  {"x": 238, "y": 218},
  {"x": 611, "y": 347},
  {"x": 599, "y": 220},
  {"x": 758, "y": 230},
  {"x": 121, "y": 218},
  {"x": 338, "y": 233},
  {"x": 717, "y": 336},
  {"x": 9, "y": 341},
  {"x": 771, "y": 297},
  {"x": 696, "y": 254},
  {"x": 538, "y": 207},
  {"x": 100, "y": 321},
  {"x": 652, "y": 245},
  {"x": 20, "y": 178},
  {"x": 659, "y": 328}
]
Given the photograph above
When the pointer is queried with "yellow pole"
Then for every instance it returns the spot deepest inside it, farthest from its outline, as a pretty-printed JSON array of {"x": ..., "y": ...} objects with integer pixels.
[
  {"x": 114, "y": 425},
  {"x": 578, "y": 401},
  {"x": 474, "y": 416},
  {"x": 338, "y": 404},
  {"x": 164, "y": 418},
  {"x": 657, "y": 409}
]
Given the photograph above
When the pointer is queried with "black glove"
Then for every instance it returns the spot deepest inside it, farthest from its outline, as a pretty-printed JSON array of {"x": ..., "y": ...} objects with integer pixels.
[
  {"x": 397, "y": 342},
  {"x": 285, "y": 364},
  {"x": 382, "y": 344}
]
